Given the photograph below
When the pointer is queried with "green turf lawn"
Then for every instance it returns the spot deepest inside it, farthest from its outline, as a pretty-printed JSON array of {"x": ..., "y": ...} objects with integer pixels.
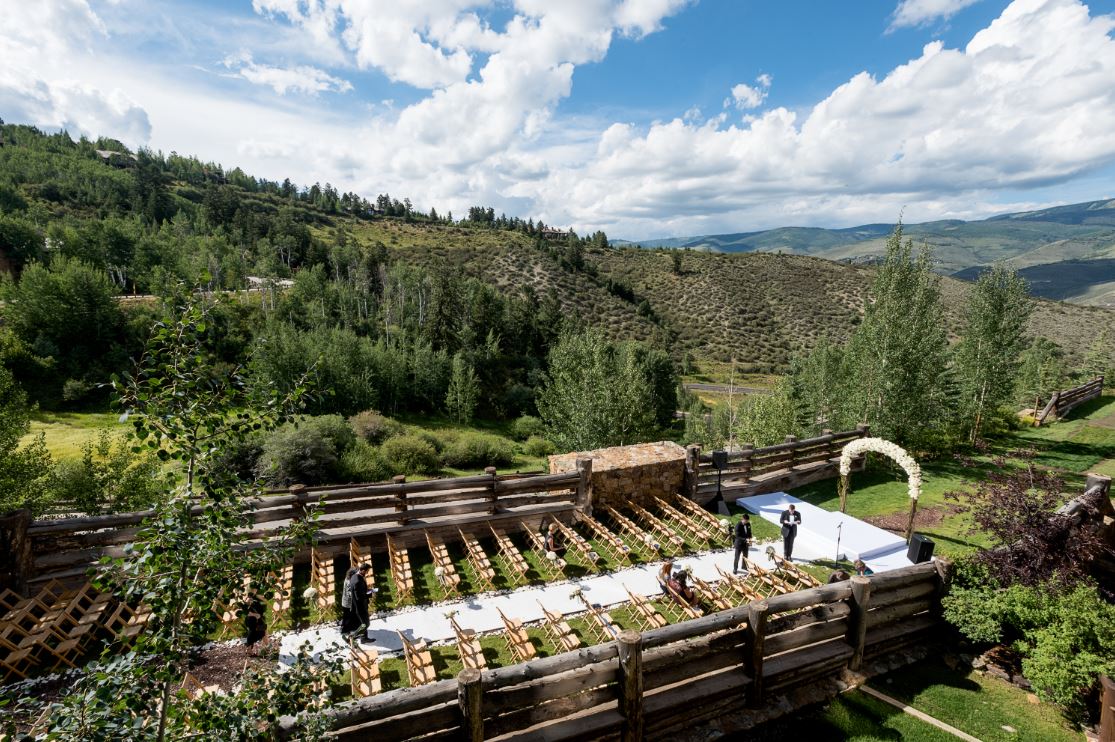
[
  {"x": 1083, "y": 442},
  {"x": 67, "y": 432},
  {"x": 978, "y": 705}
]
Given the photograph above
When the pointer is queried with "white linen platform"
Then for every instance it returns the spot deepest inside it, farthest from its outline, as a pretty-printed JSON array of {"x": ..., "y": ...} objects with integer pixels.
[{"x": 820, "y": 531}]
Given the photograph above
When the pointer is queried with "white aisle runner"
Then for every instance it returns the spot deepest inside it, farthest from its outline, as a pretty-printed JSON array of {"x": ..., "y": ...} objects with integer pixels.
[{"x": 479, "y": 612}]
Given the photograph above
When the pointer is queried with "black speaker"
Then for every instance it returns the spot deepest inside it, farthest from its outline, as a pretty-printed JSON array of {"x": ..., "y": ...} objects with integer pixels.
[
  {"x": 720, "y": 459},
  {"x": 921, "y": 549}
]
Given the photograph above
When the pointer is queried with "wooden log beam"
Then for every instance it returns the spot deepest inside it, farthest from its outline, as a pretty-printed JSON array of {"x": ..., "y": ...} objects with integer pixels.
[{"x": 789, "y": 641}]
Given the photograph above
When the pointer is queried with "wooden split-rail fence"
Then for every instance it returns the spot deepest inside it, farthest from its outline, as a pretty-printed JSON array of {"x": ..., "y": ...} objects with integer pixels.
[
  {"x": 39, "y": 551},
  {"x": 653, "y": 684},
  {"x": 783, "y": 466},
  {"x": 1061, "y": 402}
]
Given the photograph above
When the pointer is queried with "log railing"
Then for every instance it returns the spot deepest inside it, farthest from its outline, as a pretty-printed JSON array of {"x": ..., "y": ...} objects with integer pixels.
[
  {"x": 68, "y": 547},
  {"x": 1062, "y": 401},
  {"x": 752, "y": 471},
  {"x": 653, "y": 684}
]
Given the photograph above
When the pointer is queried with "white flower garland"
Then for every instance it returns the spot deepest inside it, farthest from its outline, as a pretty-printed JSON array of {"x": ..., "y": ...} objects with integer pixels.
[{"x": 890, "y": 450}]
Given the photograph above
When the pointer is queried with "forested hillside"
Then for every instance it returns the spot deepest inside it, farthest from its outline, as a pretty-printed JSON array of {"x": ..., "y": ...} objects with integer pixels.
[{"x": 384, "y": 299}]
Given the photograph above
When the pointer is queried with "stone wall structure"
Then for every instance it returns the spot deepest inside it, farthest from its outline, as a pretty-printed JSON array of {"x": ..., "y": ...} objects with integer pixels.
[{"x": 624, "y": 474}]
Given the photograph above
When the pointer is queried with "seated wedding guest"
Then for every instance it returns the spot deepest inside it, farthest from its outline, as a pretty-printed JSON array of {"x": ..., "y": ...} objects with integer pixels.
[
  {"x": 862, "y": 569},
  {"x": 554, "y": 541},
  {"x": 665, "y": 572},
  {"x": 839, "y": 576},
  {"x": 679, "y": 583}
]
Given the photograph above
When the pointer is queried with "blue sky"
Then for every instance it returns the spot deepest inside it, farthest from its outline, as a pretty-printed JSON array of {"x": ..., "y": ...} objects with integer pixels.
[{"x": 640, "y": 117}]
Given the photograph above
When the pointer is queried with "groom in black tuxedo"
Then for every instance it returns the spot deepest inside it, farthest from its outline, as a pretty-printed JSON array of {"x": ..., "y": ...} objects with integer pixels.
[{"x": 790, "y": 520}]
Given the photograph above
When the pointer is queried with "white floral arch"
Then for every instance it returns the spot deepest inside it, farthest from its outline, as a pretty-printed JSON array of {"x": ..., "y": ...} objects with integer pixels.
[{"x": 892, "y": 451}]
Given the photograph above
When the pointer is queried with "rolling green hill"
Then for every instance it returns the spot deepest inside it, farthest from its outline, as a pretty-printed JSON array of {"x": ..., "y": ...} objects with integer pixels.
[
  {"x": 1053, "y": 241},
  {"x": 758, "y": 307},
  {"x": 152, "y": 218}
]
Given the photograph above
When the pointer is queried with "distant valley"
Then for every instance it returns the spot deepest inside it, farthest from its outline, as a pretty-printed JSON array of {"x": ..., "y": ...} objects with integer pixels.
[{"x": 1065, "y": 252}]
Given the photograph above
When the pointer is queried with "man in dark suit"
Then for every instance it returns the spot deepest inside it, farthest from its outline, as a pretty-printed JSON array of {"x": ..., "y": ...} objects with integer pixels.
[
  {"x": 790, "y": 520},
  {"x": 742, "y": 539}
]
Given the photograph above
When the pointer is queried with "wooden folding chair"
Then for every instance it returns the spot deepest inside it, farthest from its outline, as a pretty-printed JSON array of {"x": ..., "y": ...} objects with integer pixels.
[
  {"x": 588, "y": 555},
  {"x": 600, "y": 625},
  {"x": 714, "y": 528},
  {"x": 661, "y": 530},
  {"x": 611, "y": 544},
  {"x": 644, "y": 612},
  {"x": 517, "y": 639},
  {"x": 364, "y": 663},
  {"x": 420, "y": 664},
  {"x": 401, "y": 575},
  {"x": 513, "y": 562},
  {"x": 710, "y": 596},
  {"x": 692, "y": 530},
  {"x": 323, "y": 579},
  {"x": 478, "y": 560},
  {"x": 444, "y": 569},
  {"x": 558, "y": 631},
  {"x": 636, "y": 535},
  {"x": 468, "y": 646}
]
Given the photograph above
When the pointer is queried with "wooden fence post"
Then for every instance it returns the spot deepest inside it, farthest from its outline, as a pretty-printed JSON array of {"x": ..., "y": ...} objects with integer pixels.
[
  {"x": 857, "y": 620},
  {"x": 16, "y": 559},
  {"x": 1098, "y": 480},
  {"x": 793, "y": 452},
  {"x": 692, "y": 469},
  {"x": 945, "y": 570},
  {"x": 401, "y": 500},
  {"x": 630, "y": 646},
  {"x": 1107, "y": 709},
  {"x": 492, "y": 506},
  {"x": 584, "y": 486},
  {"x": 757, "y": 631},
  {"x": 299, "y": 506},
  {"x": 746, "y": 452},
  {"x": 470, "y": 696}
]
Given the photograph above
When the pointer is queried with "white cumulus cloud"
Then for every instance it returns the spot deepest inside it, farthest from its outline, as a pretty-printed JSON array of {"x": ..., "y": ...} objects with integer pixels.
[
  {"x": 746, "y": 96},
  {"x": 298, "y": 79},
  {"x": 923, "y": 12}
]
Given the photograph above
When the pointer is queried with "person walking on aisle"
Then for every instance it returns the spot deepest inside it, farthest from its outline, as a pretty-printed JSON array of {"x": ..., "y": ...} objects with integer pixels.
[
  {"x": 742, "y": 541},
  {"x": 790, "y": 520}
]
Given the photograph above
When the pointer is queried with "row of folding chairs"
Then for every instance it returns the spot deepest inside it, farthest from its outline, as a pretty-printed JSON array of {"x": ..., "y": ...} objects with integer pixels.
[{"x": 58, "y": 625}]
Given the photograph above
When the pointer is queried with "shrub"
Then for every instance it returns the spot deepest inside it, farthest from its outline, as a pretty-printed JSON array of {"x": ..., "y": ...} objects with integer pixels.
[
  {"x": 363, "y": 463},
  {"x": 374, "y": 427},
  {"x": 307, "y": 453},
  {"x": 438, "y": 442},
  {"x": 526, "y": 426},
  {"x": 409, "y": 454},
  {"x": 478, "y": 449},
  {"x": 109, "y": 478},
  {"x": 536, "y": 445}
]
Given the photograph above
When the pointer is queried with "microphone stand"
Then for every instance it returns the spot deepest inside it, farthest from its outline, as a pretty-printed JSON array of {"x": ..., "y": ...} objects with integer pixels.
[{"x": 839, "y": 527}]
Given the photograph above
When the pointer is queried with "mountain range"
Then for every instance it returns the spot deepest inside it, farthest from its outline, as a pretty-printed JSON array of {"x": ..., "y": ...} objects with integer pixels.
[{"x": 1065, "y": 252}]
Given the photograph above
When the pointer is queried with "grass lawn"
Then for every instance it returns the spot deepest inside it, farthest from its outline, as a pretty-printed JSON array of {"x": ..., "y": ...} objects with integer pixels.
[
  {"x": 67, "y": 432},
  {"x": 1084, "y": 442},
  {"x": 977, "y": 704},
  {"x": 981, "y": 706}
]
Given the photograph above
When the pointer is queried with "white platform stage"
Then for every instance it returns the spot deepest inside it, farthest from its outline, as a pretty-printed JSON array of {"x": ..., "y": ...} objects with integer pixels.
[{"x": 820, "y": 531}]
